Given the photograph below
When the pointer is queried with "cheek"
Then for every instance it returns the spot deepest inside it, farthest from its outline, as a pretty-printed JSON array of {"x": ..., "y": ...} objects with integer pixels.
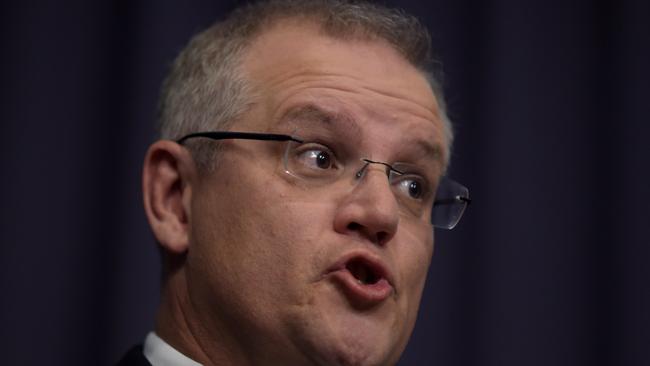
[
  {"x": 414, "y": 260},
  {"x": 414, "y": 248},
  {"x": 256, "y": 238}
]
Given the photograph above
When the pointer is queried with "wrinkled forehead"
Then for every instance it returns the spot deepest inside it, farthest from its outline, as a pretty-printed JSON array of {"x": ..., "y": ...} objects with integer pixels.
[{"x": 363, "y": 88}]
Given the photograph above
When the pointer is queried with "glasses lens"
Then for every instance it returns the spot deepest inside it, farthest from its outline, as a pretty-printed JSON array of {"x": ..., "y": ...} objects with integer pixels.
[
  {"x": 312, "y": 162},
  {"x": 318, "y": 164},
  {"x": 451, "y": 201}
]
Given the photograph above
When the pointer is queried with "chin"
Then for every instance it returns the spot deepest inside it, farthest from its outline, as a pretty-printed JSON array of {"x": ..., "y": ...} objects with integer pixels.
[
  {"x": 361, "y": 352},
  {"x": 348, "y": 338},
  {"x": 327, "y": 329}
]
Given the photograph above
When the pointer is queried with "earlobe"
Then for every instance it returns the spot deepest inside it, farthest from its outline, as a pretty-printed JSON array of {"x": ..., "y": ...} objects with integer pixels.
[{"x": 167, "y": 177}]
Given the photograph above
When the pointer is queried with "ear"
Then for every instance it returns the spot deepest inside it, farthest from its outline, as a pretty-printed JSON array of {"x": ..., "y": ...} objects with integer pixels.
[{"x": 167, "y": 178}]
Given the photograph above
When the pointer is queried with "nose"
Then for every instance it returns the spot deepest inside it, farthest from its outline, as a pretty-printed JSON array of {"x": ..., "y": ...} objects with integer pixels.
[{"x": 370, "y": 211}]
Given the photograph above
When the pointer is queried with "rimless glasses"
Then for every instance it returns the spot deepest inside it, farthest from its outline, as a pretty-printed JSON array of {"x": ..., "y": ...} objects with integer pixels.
[{"x": 420, "y": 195}]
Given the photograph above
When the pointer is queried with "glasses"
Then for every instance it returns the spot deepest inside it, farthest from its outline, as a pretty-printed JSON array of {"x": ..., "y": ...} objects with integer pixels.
[{"x": 420, "y": 196}]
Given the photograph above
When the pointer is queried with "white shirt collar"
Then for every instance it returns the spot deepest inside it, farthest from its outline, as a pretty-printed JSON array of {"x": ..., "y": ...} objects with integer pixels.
[{"x": 160, "y": 353}]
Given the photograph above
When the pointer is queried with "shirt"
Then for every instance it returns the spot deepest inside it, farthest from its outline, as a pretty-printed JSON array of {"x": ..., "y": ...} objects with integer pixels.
[{"x": 160, "y": 353}]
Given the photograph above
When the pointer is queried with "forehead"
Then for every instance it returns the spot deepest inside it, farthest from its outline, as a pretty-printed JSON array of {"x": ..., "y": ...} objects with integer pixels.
[{"x": 293, "y": 64}]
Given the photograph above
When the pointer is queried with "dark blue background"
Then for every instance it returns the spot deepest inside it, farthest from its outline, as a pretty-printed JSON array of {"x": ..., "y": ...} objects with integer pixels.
[{"x": 550, "y": 101}]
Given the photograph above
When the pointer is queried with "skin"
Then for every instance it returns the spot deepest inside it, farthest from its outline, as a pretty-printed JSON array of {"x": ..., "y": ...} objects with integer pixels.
[{"x": 248, "y": 245}]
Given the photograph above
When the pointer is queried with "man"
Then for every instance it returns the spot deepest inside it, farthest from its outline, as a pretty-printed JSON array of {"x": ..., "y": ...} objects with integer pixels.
[{"x": 303, "y": 143}]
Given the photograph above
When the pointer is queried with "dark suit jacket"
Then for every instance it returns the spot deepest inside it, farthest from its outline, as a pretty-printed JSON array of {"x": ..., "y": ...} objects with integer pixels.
[{"x": 134, "y": 357}]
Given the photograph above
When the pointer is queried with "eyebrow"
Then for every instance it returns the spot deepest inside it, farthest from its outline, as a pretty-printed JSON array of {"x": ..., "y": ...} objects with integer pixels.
[
  {"x": 430, "y": 152},
  {"x": 312, "y": 114},
  {"x": 434, "y": 151}
]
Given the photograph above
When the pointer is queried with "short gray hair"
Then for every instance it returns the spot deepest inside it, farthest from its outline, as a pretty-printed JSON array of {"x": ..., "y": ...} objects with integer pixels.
[{"x": 207, "y": 90}]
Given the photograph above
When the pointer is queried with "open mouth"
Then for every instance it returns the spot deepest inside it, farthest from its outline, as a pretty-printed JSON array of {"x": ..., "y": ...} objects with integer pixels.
[
  {"x": 362, "y": 272},
  {"x": 363, "y": 279}
]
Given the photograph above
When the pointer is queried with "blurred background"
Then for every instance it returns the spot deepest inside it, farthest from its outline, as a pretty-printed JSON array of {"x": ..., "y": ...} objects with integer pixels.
[{"x": 550, "y": 103}]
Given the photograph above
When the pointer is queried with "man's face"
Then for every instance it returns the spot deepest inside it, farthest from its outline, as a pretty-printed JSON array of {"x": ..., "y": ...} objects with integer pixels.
[{"x": 276, "y": 263}]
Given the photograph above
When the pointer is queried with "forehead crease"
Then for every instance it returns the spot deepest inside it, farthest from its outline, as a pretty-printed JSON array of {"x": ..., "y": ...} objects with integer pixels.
[{"x": 426, "y": 108}]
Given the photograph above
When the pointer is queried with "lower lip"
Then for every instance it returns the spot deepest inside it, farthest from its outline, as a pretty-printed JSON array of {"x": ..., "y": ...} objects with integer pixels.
[{"x": 359, "y": 293}]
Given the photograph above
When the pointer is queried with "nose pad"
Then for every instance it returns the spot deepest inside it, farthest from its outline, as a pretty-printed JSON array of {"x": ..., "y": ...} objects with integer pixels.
[
  {"x": 361, "y": 172},
  {"x": 362, "y": 179}
]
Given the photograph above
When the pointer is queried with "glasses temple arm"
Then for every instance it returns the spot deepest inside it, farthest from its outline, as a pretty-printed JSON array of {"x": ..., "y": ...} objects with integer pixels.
[
  {"x": 456, "y": 199},
  {"x": 239, "y": 135}
]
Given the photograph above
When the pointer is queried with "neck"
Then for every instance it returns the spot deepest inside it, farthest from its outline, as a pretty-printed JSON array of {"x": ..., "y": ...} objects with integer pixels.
[{"x": 177, "y": 323}]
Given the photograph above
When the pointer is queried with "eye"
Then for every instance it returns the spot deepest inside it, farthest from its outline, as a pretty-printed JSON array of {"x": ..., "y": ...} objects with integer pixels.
[
  {"x": 413, "y": 187},
  {"x": 323, "y": 159},
  {"x": 317, "y": 157}
]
